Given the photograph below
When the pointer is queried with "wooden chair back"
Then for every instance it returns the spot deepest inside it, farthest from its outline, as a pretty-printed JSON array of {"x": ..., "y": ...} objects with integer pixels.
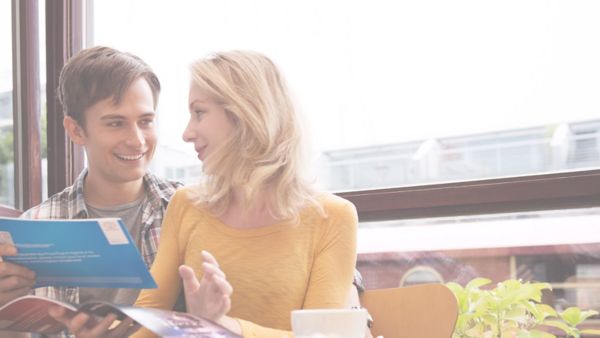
[{"x": 420, "y": 311}]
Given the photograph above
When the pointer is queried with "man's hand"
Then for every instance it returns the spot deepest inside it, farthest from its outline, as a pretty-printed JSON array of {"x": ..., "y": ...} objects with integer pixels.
[
  {"x": 83, "y": 325},
  {"x": 15, "y": 280},
  {"x": 209, "y": 297}
]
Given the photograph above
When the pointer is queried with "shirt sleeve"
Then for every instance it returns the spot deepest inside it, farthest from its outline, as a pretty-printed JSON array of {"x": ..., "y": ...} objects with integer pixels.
[
  {"x": 332, "y": 272},
  {"x": 251, "y": 330},
  {"x": 165, "y": 267},
  {"x": 335, "y": 260}
]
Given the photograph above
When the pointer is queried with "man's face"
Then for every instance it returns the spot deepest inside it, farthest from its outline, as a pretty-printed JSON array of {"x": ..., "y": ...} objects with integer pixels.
[{"x": 120, "y": 139}]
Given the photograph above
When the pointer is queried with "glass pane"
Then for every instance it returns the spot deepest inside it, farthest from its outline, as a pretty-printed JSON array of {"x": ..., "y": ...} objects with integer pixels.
[
  {"x": 561, "y": 248},
  {"x": 396, "y": 93},
  {"x": 7, "y": 194},
  {"x": 43, "y": 101}
]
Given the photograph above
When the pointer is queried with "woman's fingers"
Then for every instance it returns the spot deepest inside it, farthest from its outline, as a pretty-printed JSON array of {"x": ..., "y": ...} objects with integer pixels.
[
  {"x": 225, "y": 304},
  {"x": 208, "y": 297},
  {"x": 208, "y": 257},
  {"x": 211, "y": 269},
  {"x": 190, "y": 282},
  {"x": 222, "y": 285}
]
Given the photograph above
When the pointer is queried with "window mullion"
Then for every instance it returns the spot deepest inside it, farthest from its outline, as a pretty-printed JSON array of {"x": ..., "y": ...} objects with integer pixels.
[{"x": 26, "y": 104}]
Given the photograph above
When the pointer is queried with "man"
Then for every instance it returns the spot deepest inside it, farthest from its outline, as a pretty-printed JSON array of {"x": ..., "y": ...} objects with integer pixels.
[{"x": 109, "y": 99}]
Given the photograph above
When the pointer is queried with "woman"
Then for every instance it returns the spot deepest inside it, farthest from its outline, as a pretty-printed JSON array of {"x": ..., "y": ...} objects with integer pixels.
[{"x": 255, "y": 240}]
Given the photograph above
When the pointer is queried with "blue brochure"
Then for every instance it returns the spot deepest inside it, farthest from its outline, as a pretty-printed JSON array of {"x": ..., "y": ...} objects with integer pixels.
[{"x": 96, "y": 253}]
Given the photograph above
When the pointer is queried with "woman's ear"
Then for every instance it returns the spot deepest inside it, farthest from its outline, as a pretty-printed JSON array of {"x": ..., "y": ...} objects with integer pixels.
[{"x": 74, "y": 130}]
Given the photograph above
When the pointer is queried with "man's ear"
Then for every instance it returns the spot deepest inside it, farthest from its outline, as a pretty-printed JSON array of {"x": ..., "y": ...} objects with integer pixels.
[{"x": 74, "y": 130}]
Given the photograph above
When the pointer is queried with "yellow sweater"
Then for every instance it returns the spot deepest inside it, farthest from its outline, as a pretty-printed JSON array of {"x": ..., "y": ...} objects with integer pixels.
[{"x": 273, "y": 269}]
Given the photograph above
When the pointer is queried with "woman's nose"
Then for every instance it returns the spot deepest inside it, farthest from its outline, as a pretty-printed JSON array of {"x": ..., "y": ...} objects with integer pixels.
[{"x": 188, "y": 134}]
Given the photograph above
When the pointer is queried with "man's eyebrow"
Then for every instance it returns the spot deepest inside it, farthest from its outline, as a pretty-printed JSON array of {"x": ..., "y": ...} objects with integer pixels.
[
  {"x": 121, "y": 117},
  {"x": 149, "y": 114},
  {"x": 112, "y": 117}
]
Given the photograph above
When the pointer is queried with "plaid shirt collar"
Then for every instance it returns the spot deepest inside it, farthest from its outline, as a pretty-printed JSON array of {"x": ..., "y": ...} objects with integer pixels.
[
  {"x": 75, "y": 198},
  {"x": 157, "y": 191}
]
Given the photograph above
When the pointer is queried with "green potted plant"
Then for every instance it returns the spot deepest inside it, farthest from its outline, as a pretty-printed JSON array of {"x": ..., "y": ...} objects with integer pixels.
[{"x": 512, "y": 309}]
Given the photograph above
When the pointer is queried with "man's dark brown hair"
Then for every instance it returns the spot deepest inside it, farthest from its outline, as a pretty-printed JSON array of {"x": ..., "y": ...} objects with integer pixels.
[{"x": 98, "y": 73}]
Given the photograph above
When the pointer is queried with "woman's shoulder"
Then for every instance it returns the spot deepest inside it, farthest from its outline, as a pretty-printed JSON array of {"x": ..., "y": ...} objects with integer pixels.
[
  {"x": 333, "y": 207},
  {"x": 339, "y": 215},
  {"x": 331, "y": 202},
  {"x": 183, "y": 195},
  {"x": 186, "y": 198}
]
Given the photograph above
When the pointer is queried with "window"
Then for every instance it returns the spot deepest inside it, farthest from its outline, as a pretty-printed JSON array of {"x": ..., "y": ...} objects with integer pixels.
[
  {"x": 396, "y": 93},
  {"x": 431, "y": 114},
  {"x": 558, "y": 247},
  {"x": 25, "y": 27},
  {"x": 7, "y": 193}
]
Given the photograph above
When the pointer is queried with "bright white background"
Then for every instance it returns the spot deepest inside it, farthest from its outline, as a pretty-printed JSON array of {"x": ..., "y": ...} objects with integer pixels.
[{"x": 373, "y": 72}]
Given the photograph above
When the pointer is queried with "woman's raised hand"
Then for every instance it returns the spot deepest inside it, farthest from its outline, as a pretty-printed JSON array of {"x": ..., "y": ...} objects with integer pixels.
[{"x": 209, "y": 297}]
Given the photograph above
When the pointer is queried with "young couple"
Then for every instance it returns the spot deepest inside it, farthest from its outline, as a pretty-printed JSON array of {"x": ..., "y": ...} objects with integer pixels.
[{"x": 252, "y": 225}]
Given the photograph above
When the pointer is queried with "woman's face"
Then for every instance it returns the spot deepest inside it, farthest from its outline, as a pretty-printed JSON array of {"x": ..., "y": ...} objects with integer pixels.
[{"x": 209, "y": 126}]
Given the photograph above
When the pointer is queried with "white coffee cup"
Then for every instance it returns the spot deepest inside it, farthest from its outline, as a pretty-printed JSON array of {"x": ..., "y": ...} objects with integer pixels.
[{"x": 329, "y": 323}]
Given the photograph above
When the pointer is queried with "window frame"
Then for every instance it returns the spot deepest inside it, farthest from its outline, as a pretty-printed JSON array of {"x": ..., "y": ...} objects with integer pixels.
[
  {"x": 64, "y": 38},
  {"x": 563, "y": 190},
  {"x": 26, "y": 104}
]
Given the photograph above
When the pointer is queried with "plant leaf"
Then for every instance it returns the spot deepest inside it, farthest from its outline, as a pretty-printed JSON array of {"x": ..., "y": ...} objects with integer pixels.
[
  {"x": 586, "y": 314},
  {"x": 540, "y": 311},
  {"x": 454, "y": 287},
  {"x": 476, "y": 283},
  {"x": 542, "y": 286},
  {"x": 571, "y": 316}
]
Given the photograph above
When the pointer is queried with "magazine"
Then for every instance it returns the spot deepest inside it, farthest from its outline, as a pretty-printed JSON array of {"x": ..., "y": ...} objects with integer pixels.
[
  {"x": 94, "y": 253},
  {"x": 30, "y": 314}
]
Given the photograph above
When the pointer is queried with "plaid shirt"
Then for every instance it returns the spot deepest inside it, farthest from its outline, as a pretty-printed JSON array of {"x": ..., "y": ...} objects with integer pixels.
[{"x": 70, "y": 204}]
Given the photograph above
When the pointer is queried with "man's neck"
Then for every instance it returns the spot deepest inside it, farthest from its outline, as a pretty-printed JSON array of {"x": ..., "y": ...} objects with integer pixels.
[{"x": 100, "y": 193}]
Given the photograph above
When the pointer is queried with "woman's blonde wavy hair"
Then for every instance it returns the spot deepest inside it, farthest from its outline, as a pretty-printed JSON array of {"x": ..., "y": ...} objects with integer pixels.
[{"x": 264, "y": 153}]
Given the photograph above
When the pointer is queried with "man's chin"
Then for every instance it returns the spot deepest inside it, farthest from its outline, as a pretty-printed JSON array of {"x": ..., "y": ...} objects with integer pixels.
[{"x": 131, "y": 175}]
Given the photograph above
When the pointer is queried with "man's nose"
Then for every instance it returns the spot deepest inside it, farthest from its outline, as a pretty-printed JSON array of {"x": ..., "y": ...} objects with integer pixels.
[{"x": 136, "y": 137}]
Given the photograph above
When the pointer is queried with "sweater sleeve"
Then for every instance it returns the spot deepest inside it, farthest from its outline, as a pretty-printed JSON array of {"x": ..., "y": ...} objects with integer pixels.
[
  {"x": 165, "y": 266},
  {"x": 251, "y": 330},
  {"x": 332, "y": 272},
  {"x": 334, "y": 263}
]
